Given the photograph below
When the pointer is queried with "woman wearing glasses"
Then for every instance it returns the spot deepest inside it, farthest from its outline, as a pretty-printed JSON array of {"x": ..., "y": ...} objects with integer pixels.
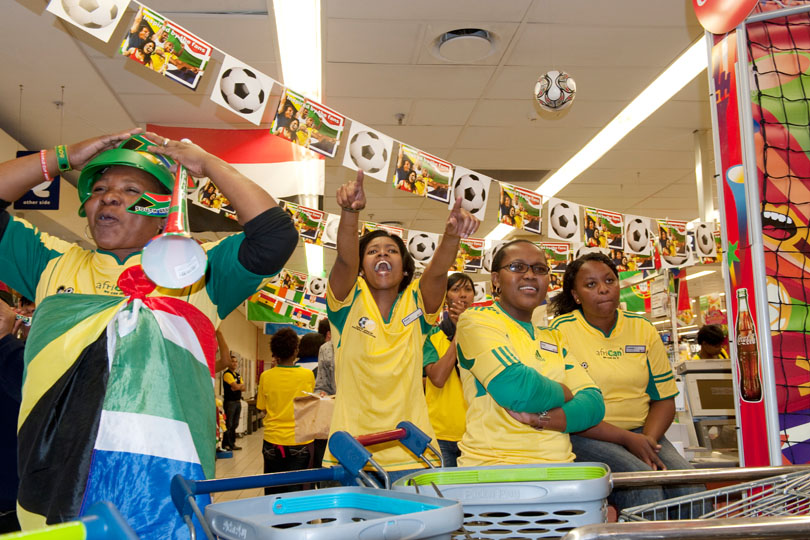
[
  {"x": 525, "y": 393},
  {"x": 624, "y": 355}
]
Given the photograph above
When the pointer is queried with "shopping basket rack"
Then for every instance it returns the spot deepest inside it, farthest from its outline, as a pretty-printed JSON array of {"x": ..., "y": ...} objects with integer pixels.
[
  {"x": 342, "y": 512},
  {"x": 520, "y": 501},
  {"x": 773, "y": 503}
]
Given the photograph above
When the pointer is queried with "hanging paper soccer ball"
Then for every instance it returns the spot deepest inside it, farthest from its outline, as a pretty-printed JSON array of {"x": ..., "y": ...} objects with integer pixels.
[
  {"x": 368, "y": 151},
  {"x": 91, "y": 13},
  {"x": 555, "y": 91},
  {"x": 242, "y": 90}
]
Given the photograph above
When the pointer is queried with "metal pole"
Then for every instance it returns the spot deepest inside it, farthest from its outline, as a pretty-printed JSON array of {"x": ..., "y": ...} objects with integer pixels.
[
  {"x": 700, "y": 476},
  {"x": 790, "y": 527},
  {"x": 752, "y": 205},
  {"x": 718, "y": 166}
]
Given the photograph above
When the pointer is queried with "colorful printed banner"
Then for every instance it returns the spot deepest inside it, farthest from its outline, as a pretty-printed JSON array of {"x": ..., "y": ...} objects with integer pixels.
[
  {"x": 604, "y": 229},
  {"x": 166, "y": 48},
  {"x": 520, "y": 208},
  {"x": 308, "y": 123}
]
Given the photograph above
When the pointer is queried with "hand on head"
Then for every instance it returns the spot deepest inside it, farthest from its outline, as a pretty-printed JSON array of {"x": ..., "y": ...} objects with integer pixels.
[
  {"x": 9, "y": 324},
  {"x": 351, "y": 196},
  {"x": 82, "y": 152},
  {"x": 460, "y": 222},
  {"x": 192, "y": 157}
]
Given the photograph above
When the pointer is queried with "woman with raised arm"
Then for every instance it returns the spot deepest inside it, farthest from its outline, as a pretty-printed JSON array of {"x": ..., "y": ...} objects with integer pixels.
[
  {"x": 118, "y": 392},
  {"x": 380, "y": 316},
  {"x": 525, "y": 392},
  {"x": 624, "y": 355}
]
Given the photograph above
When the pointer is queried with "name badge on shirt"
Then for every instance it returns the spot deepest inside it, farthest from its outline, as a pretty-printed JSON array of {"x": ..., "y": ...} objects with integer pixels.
[
  {"x": 412, "y": 317},
  {"x": 550, "y": 347},
  {"x": 630, "y": 349}
]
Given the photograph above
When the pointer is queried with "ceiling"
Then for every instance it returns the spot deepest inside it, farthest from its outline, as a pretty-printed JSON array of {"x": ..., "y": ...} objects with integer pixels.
[{"x": 378, "y": 64}]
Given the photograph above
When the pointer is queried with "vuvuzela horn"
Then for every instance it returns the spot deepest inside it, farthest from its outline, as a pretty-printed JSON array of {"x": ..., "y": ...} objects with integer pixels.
[{"x": 173, "y": 259}]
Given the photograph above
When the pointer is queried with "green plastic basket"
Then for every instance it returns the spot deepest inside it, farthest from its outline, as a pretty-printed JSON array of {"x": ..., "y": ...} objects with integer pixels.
[{"x": 444, "y": 477}]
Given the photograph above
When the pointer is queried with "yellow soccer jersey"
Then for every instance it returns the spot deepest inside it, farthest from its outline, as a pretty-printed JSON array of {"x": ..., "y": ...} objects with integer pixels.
[
  {"x": 630, "y": 364},
  {"x": 378, "y": 368},
  {"x": 446, "y": 405},
  {"x": 277, "y": 388},
  {"x": 489, "y": 341}
]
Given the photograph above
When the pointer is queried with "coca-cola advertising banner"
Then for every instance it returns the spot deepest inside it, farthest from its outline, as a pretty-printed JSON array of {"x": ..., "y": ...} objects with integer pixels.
[{"x": 754, "y": 446}]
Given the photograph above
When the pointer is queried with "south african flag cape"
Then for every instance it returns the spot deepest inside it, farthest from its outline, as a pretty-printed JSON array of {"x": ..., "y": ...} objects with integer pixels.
[{"x": 117, "y": 398}]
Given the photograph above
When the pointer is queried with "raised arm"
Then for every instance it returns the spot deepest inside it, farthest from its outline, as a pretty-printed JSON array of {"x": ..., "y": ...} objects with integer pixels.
[
  {"x": 246, "y": 197},
  {"x": 352, "y": 199},
  {"x": 460, "y": 224},
  {"x": 17, "y": 176}
]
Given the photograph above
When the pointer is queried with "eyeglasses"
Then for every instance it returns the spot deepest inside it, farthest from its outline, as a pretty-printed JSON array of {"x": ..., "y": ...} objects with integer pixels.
[{"x": 521, "y": 268}]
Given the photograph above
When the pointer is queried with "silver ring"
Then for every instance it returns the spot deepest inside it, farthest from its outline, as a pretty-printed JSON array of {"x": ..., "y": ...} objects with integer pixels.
[{"x": 165, "y": 142}]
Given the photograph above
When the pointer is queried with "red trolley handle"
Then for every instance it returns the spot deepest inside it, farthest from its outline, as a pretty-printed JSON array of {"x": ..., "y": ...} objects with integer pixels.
[{"x": 382, "y": 436}]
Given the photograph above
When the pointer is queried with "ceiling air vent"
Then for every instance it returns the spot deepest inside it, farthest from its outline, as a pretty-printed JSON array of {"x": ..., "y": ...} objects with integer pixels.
[{"x": 464, "y": 45}]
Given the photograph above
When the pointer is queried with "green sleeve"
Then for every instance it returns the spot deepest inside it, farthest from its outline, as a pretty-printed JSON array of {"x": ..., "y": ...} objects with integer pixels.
[
  {"x": 584, "y": 411},
  {"x": 522, "y": 389},
  {"x": 429, "y": 353},
  {"x": 25, "y": 252},
  {"x": 228, "y": 282}
]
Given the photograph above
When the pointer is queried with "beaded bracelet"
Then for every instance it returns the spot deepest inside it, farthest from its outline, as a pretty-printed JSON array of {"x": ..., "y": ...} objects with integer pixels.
[
  {"x": 43, "y": 160},
  {"x": 62, "y": 160}
]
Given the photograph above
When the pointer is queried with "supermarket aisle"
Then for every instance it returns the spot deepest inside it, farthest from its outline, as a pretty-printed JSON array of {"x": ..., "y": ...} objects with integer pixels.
[{"x": 245, "y": 462}]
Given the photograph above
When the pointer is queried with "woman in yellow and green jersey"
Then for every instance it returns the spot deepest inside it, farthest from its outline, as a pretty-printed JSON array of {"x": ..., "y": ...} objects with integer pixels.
[
  {"x": 624, "y": 355},
  {"x": 445, "y": 398},
  {"x": 524, "y": 391},
  {"x": 380, "y": 317}
]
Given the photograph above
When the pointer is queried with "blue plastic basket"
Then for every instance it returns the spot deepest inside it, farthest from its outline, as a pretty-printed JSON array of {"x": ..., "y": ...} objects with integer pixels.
[{"x": 345, "y": 512}]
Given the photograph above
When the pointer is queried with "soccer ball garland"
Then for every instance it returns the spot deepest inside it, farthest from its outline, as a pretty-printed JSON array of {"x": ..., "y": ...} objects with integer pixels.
[
  {"x": 472, "y": 191},
  {"x": 242, "y": 90},
  {"x": 92, "y": 14},
  {"x": 368, "y": 151}
]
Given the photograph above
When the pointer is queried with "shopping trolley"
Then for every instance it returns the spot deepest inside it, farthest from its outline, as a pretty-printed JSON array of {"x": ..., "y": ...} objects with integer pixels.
[
  {"x": 772, "y": 502},
  {"x": 352, "y": 511},
  {"x": 519, "y": 501}
]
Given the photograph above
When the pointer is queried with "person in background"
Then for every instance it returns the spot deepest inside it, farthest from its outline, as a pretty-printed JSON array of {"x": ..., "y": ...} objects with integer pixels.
[
  {"x": 446, "y": 405},
  {"x": 624, "y": 355},
  {"x": 278, "y": 386},
  {"x": 308, "y": 349},
  {"x": 524, "y": 390},
  {"x": 11, "y": 372},
  {"x": 711, "y": 339},
  {"x": 380, "y": 316},
  {"x": 232, "y": 386},
  {"x": 325, "y": 376},
  {"x": 324, "y": 380}
]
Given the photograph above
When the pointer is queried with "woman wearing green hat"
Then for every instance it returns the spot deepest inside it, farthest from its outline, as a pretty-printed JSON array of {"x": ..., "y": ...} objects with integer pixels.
[{"x": 118, "y": 392}]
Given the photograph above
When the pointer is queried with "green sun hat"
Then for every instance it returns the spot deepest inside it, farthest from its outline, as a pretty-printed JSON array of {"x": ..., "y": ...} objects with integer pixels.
[{"x": 132, "y": 153}]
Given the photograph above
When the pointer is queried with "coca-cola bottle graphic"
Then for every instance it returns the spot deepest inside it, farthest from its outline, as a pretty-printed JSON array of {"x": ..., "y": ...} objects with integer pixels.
[{"x": 747, "y": 355}]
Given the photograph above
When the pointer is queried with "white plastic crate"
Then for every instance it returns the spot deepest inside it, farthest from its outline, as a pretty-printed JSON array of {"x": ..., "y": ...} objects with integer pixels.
[{"x": 520, "y": 501}]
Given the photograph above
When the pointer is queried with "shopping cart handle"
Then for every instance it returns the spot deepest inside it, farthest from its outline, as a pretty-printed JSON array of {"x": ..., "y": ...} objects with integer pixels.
[
  {"x": 350, "y": 452},
  {"x": 381, "y": 437},
  {"x": 103, "y": 520},
  {"x": 183, "y": 490},
  {"x": 415, "y": 439}
]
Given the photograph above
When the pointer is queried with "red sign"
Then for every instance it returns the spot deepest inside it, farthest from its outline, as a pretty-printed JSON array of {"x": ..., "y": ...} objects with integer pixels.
[{"x": 720, "y": 16}]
